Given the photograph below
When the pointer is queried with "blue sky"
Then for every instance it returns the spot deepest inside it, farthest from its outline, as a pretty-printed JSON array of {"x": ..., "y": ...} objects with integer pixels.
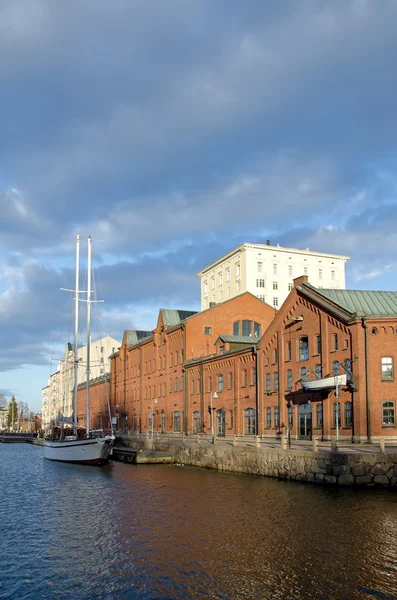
[{"x": 172, "y": 131}]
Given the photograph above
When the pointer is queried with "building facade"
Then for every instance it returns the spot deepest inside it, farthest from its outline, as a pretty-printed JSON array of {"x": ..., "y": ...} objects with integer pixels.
[
  {"x": 150, "y": 386},
  {"x": 268, "y": 273}
]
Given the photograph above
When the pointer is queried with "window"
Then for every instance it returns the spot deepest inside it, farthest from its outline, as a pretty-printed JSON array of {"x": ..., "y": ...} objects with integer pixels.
[
  {"x": 171, "y": 359},
  {"x": 387, "y": 368},
  {"x": 220, "y": 383},
  {"x": 236, "y": 328},
  {"x": 290, "y": 417},
  {"x": 176, "y": 357},
  {"x": 290, "y": 286},
  {"x": 260, "y": 283},
  {"x": 177, "y": 421},
  {"x": 247, "y": 328},
  {"x": 205, "y": 287},
  {"x": 260, "y": 267},
  {"x": 253, "y": 376},
  {"x": 275, "y": 382},
  {"x": 333, "y": 275},
  {"x": 320, "y": 273},
  {"x": 249, "y": 421},
  {"x": 304, "y": 348},
  {"x": 268, "y": 417},
  {"x": 212, "y": 283},
  {"x": 207, "y": 330},
  {"x": 220, "y": 278},
  {"x": 238, "y": 285},
  {"x": 263, "y": 298},
  {"x": 319, "y": 415},
  {"x": 196, "y": 422},
  {"x": 228, "y": 292},
  {"x": 257, "y": 329},
  {"x": 305, "y": 271},
  {"x": 348, "y": 368},
  {"x": 335, "y": 341},
  {"x": 275, "y": 269},
  {"x": 237, "y": 269},
  {"x": 222, "y": 350},
  {"x": 206, "y": 302},
  {"x": 230, "y": 381},
  {"x": 192, "y": 387},
  {"x": 303, "y": 374},
  {"x": 336, "y": 410},
  {"x": 276, "y": 412},
  {"x": 289, "y": 379},
  {"x": 182, "y": 383},
  {"x": 171, "y": 385},
  {"x": 245, "y": 378},
  {"x": 289, "y": 351},
  {"x": 290, "y": 270},
  {"x": 176, "y": 384},
  {"x": 268, "y": 383},
  {"x": 374, "y": 331},
  {"x": 210, "y": 384},
  {"x": 319, "y": 371},
  {"x": 335, "y": 367},
  {"x": 388, "y": 414},
  {"x": 275, "y": 285},
  {"x": 348, "y": 414},
  {"x": 275, "y": 302},
  {"x": 318, "y": 344},
  {"x": 164, "y": 389},
  {"x": 221, "y": 295},
  {"x": 228, "y": 274}
]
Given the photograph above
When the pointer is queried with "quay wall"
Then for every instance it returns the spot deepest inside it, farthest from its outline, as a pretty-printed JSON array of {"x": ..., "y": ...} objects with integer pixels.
[{"x": 353, "y": 469}]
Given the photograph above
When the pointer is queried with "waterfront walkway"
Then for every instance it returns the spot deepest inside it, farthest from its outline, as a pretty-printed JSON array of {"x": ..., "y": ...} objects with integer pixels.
[{"x": 254, "y": 441}]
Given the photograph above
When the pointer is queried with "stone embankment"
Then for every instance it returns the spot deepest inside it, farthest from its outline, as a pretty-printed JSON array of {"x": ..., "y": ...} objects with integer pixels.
[{"x": 335, "y": 468}]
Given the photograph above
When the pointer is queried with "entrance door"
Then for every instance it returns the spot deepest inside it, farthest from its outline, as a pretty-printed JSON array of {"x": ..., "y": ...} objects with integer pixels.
[
  {"x": 305, "y": 422},
  {"x": 220, "y": 422},
  {"x": 196, "y": 422}
]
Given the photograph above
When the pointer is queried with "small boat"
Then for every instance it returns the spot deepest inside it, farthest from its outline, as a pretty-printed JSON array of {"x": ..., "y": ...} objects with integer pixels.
[
  {"x": 79, "y": 445},
  {"x": 326, "y": 383}
]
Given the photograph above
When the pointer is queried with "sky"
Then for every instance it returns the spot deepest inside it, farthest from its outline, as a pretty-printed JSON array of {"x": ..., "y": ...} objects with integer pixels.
[{"x": 172, "y": 131}]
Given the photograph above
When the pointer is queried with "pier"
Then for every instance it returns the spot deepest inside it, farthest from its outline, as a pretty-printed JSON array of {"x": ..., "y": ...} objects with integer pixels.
[{"x": 16, "y": 438}]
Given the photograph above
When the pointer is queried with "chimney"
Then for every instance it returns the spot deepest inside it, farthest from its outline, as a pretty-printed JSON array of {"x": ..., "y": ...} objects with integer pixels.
[{"x": 267, "y": 242}]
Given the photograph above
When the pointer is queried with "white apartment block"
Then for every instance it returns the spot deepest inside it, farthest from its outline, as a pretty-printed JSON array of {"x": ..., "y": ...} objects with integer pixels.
[
  {"x": 57, "y": 397},
  {"x": 268, "y": 273}
]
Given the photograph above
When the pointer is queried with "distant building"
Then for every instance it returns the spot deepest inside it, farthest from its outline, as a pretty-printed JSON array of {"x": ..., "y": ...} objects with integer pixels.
[
  {"x": 3, "y": 418},
  {"x": 268, "y": 273}
]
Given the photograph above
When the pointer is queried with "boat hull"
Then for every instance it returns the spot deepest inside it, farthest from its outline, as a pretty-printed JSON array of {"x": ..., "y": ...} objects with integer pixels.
[
  {"x": 94, "y": 451},
  {"x": 325, "y": 383}
]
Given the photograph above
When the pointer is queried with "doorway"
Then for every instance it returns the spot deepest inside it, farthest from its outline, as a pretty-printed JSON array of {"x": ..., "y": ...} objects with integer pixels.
[
  {"x": 220, "y": 422},
  {"x": 305, "y": 422}
]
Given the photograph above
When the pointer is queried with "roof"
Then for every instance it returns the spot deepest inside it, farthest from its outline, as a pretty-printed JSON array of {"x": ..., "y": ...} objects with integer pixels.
[
  {"x": 370, "y": 302},
  {"x": 172, "y": 317},
  {"x": 239, "y": 339},
  {"x": 132, "y": 336}
]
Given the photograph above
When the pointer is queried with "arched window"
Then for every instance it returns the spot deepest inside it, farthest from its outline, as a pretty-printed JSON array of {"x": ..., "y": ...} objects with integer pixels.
[
  {"x": 335, "y": 341},
  {"x": 170, "y": 359},
  {"x": 268, "y": 417},
  {"x": 388, "y": 414},
  {"x": 170, "y": 385},
  {"x": 275, "y": 382},
  {"x": 192, "y": 386},
  {"x": 304, "y": 348},
  {"x": 387, "y": 368},
  {"x": 335, "y": 367},
  {"x": 182, "y": 382},
  {"x": 245, "y": 378},
  {"x": 177, "y": 421},
  {"x": 318, "y": 371},
  {"x": 289, "y": 379},
  {"x": 198, "y": 386},
  {"x": 176, "y": 384},
  {"x": 276, "y": 412},
  {"x": 303, "y": 374},
  {"x": 254, "y": 376},
  {"x": 249, "y": 421},
  {"x": 268, "y": 383},
  {"x": 348, "y": 414},
  {"x": 230, "y": 381},
  {"x": 220, "y": 383}
]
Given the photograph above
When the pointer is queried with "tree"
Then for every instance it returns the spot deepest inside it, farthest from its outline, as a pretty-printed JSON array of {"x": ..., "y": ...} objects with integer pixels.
[{"x": 12, "y": 412}]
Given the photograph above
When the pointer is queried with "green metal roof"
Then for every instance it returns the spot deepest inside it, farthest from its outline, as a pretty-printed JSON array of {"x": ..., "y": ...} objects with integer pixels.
[
  {"x": 372, "y": 303},
  {"x": 239, "y": 339},
  {"x": 174, "y": 317},
  {"x": 133, "y": 336}
]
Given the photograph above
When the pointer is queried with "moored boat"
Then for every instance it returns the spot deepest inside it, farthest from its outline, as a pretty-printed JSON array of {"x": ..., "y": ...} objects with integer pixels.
[{"x": 326, "y": 383}]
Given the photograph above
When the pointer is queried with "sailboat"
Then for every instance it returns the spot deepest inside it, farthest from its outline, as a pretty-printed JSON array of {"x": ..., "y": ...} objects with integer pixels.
[{"x": 80, "y": 445}]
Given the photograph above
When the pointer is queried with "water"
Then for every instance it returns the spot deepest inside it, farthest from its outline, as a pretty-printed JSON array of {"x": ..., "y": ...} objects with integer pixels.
[{"x": 146, "y": 532}]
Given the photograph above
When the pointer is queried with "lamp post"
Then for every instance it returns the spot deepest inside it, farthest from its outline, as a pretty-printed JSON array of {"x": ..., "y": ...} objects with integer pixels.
[
  {"x": 153, "y": 403},
  {"x": 215, "y": 396}
]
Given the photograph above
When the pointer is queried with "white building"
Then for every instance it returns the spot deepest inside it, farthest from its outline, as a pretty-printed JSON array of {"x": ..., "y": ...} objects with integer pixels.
[
  {"x": 268, "y": 272},
  {"x": 45, "y": 407}
]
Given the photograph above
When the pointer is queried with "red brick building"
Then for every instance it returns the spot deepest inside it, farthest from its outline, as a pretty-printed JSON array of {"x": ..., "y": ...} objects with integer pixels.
[
  {"x": 149, "y": 373},
  {"x": 319, "y": 333}
]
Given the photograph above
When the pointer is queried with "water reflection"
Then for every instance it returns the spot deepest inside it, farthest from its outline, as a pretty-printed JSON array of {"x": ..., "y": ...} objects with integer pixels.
[{"x": 165, "y": 532}]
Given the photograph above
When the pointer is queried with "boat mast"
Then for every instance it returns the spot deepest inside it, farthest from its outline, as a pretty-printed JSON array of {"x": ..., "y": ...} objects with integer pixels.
[
  {"x": 76, "y": 333},
  {"x": 87, "y": 397}
]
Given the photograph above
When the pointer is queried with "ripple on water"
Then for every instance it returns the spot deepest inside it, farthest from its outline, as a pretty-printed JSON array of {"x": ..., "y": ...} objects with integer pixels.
[{"x": 159, "y": 532}]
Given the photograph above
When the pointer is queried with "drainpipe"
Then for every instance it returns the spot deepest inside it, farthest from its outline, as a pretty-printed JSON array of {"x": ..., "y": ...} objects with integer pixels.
[
  {"x": 185, "y": 419},
  {"x": 258, "y": 414},
  {"x": 367, "y": 398}
]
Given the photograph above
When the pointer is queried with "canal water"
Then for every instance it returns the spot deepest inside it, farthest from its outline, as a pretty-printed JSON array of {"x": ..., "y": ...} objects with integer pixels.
[{"x": 161, "y": 531}]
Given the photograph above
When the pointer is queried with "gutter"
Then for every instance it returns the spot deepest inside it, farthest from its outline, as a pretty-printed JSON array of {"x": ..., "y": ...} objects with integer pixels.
[{"x": 367, "y": 396}]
